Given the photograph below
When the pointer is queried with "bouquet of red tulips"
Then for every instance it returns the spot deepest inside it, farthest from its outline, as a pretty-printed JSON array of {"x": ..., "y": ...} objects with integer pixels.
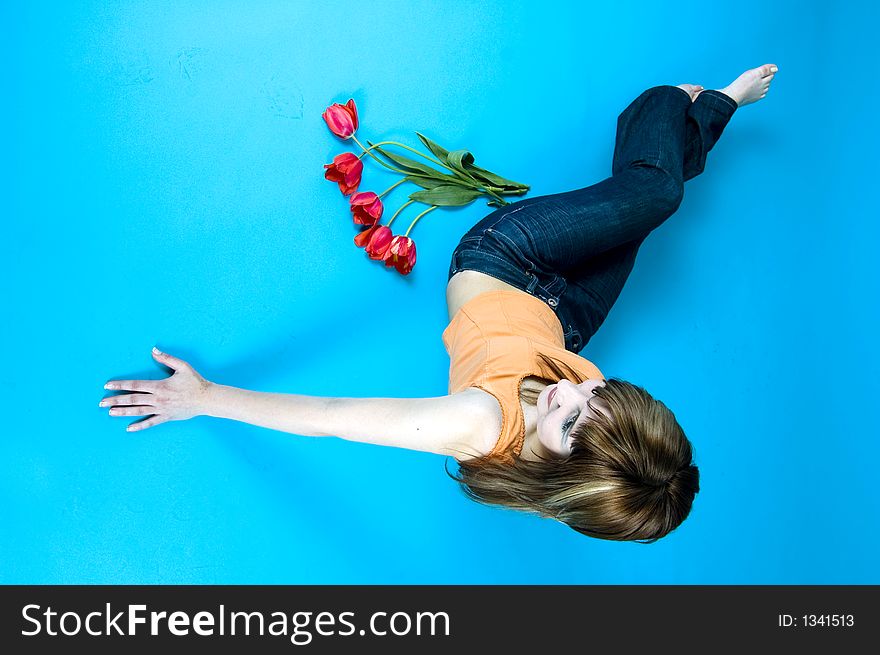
[{"x": 461, "y": 183}]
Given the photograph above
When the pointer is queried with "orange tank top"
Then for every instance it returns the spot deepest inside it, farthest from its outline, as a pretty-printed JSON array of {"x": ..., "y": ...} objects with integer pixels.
[{"x": 497, "y": 339}]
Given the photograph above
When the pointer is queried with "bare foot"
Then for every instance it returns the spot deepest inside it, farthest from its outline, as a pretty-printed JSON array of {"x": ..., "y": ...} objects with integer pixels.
[
  {"x": 751, "y": 86},
  {"x": 693, "y": 90}
]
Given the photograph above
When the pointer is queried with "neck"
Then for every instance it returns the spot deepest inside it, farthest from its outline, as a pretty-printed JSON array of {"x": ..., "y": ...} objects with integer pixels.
[{"x": 533, "y": 450}]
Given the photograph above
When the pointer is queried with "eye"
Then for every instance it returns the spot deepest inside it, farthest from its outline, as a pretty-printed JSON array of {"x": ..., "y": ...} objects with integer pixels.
[{"x": 570, "y": 422}]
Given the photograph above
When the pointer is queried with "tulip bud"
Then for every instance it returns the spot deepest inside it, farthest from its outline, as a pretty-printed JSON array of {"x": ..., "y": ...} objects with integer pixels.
[
  {"x": 346, "y": 171},
  {"x": 401, "y": 254},
  {"x": 380, "y": 240},
  {"x": 342, "y": 119},
  {"x": 366, "y": 208}
]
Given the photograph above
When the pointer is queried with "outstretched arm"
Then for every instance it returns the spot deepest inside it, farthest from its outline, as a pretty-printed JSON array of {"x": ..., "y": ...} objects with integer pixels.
[
  {"x": 446, "y": 425},
  {"x": 442, "y": 425}
]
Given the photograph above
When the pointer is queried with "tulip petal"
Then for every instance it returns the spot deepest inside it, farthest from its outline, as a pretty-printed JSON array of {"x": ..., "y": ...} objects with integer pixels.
[
  {"x": 361, "y": 239},
  {"x": 352, "y": 108}
]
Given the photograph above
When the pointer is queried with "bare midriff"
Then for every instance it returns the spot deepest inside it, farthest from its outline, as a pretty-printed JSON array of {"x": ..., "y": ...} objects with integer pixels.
[
  {"x": 465, "y": 285},
  {"x": 462, "y": 287}
]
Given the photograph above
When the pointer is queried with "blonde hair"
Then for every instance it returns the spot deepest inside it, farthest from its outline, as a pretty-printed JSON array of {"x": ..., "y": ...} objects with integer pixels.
[{"x": 630, "y": 476}]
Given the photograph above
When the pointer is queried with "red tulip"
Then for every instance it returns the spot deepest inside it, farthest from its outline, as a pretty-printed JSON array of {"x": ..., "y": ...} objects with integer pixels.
[
  {"x": 366, "y": 208},
  {"x": 345, "y": 170},
  {"x": 380, "y": 240},
  {"x": 342, "y": 119},
  {"x": 360, "y": 240},
  {"x": 401, "y": 254}
]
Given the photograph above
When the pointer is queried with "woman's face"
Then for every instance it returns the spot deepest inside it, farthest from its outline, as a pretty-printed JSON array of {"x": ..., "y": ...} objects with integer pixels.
[{"x": 562, "y": 407}]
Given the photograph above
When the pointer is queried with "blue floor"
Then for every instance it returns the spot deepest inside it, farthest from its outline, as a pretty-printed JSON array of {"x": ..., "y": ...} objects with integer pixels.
[{"x": 165, "y": 187}]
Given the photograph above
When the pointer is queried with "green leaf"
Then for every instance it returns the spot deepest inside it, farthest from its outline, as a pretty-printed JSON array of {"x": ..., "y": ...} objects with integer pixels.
[
  {"x": 424, "y": 182},
  {"x": 495, "y": 180},
  {"x": 417, "y": 168},
  {"x": 463, "y": 161},
  {"x": 411, "y": 164},
  {"x": 458, "y": 159},
  {"x": 439, "y": 151},
  {"x": 446, "y": 196}
]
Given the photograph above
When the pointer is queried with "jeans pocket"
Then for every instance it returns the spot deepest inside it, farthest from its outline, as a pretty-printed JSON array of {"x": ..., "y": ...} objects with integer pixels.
[{"x": 509, "y": 241}]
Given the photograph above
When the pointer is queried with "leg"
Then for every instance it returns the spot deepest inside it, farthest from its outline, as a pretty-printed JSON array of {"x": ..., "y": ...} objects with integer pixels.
[
  {"x": 561, "y": 232},
  {"x": 575, "y": 250},
  {"x": 662, "y": 137},
  {"x": 598, "y": 283},
  {"x": 706, "y": 120}
]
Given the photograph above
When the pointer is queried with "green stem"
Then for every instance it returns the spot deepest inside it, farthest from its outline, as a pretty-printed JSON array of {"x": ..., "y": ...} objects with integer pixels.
[
  {"x": 367, "y": 152},
  {"x": 455, "y": 179},
  {"x": 495, "y": 195},
  {"x": 400, "y": 209},
  {"x": 418, "y": 152},
  {"x": 392, "y": 186},
  {"x": 416, "y": 219}
]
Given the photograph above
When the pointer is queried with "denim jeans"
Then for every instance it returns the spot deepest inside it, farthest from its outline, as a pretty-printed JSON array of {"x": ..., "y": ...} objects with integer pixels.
[{"x": 575, "y": 250}]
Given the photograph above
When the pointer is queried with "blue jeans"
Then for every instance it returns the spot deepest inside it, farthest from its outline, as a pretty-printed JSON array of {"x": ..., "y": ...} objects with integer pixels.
[{"x": 575, "y": 250}]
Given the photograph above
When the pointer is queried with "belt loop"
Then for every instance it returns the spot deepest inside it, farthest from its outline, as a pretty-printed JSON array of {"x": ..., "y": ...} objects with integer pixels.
[{"x": 533, "y": 282}]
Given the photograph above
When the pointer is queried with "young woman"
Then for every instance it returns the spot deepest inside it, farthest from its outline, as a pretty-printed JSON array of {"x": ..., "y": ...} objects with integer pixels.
[{"x": 532, "y": 425}]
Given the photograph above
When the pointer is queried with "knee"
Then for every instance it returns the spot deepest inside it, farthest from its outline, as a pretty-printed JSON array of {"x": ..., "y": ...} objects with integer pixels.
[
  {"x": 671, "y": 193},
  {"x": 662, "y": 189}
]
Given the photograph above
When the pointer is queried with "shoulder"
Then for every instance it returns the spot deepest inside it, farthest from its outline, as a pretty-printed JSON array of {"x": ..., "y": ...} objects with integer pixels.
[{"x": 479, "y": 421}]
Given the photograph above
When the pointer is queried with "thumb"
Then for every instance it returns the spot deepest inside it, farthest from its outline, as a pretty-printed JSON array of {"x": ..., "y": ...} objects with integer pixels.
[{"x": 169, "y": 361}]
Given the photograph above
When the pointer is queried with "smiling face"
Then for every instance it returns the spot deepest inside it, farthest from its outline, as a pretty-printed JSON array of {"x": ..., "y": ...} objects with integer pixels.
[{"x": 562, "y": 407}]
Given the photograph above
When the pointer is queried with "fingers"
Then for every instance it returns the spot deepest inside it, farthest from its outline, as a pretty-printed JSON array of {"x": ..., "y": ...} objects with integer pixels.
[
  {"x": 147, "y": 423},
  {"x": 138, "y": 410},
  {"x": 127, "y": 399},
  {"x": 132, "y": 385}
]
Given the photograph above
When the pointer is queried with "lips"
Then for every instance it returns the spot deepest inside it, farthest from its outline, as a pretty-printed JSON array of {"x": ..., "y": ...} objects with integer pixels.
[{"x": 550, "y": 397}]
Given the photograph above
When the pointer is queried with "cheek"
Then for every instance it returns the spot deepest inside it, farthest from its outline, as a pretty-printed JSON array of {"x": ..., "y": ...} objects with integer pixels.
[{"x": 546, "y": 429}]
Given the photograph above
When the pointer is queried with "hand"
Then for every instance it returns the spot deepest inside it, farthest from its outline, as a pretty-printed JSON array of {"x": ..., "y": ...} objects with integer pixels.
[{"x": 176, "y": 398}]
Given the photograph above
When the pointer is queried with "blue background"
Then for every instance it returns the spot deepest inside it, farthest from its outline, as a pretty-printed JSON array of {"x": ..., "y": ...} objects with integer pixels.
[{"x": 165, "y": 187}]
